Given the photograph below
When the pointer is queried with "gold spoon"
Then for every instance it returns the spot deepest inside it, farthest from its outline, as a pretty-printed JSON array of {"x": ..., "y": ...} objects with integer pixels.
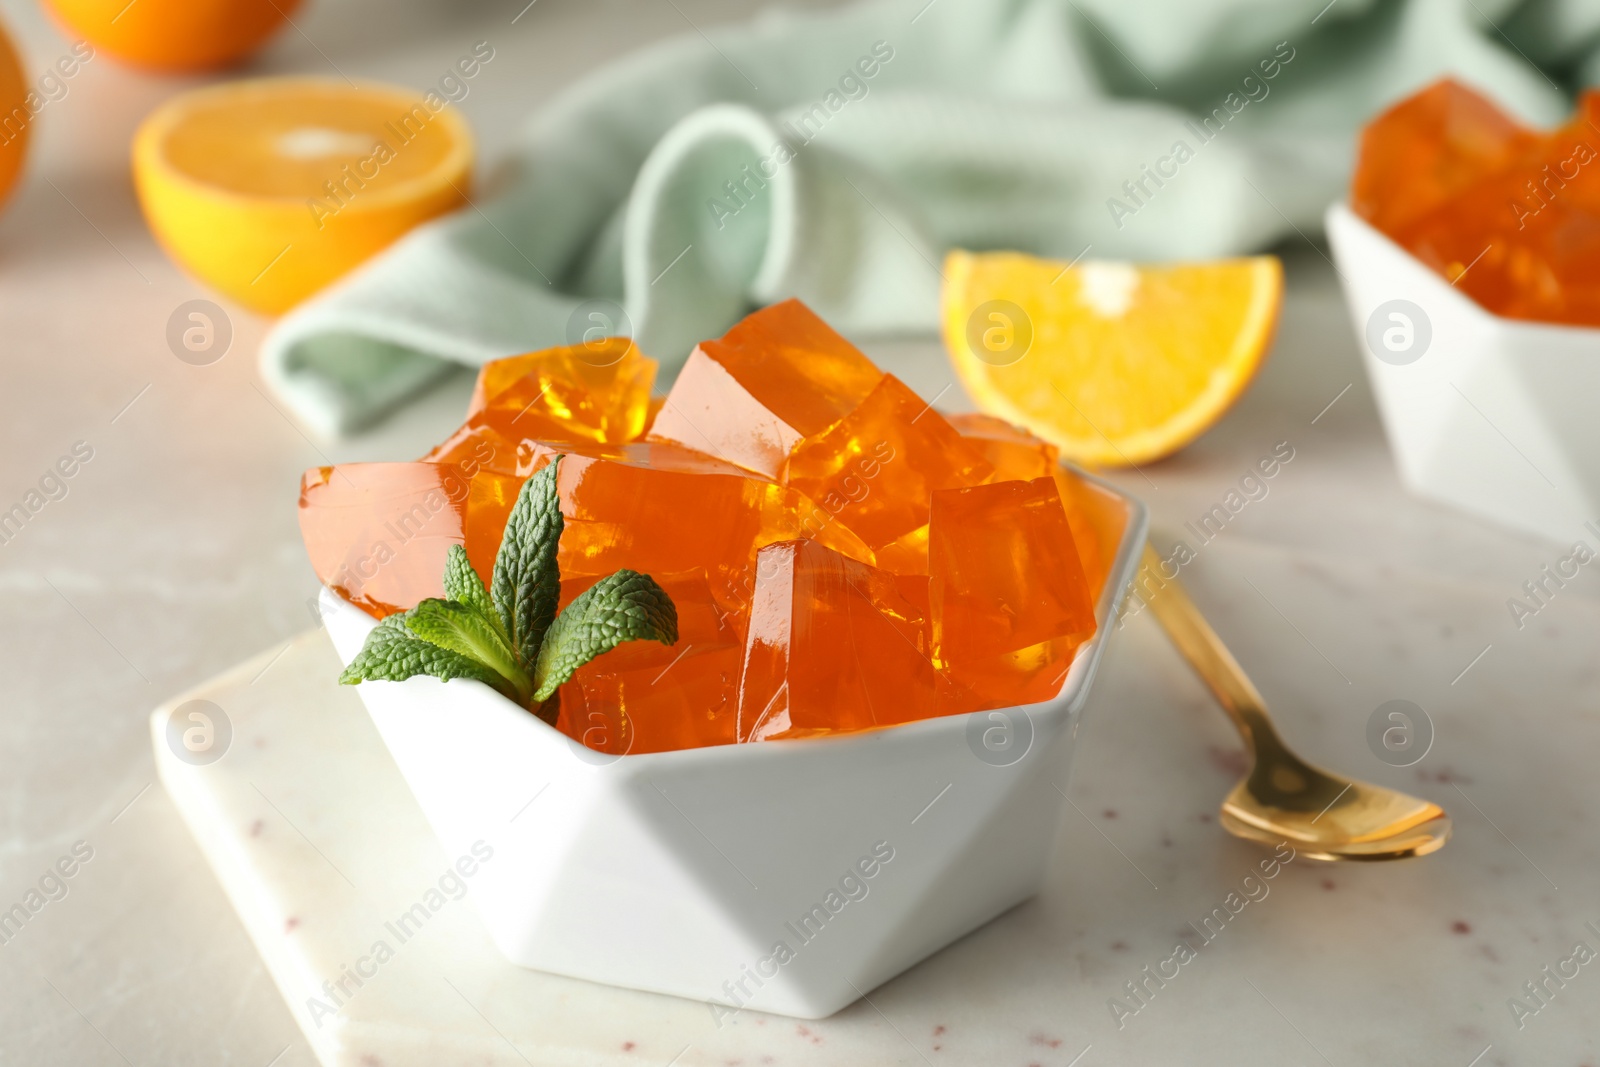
[{"x": 1283, "y": 798}]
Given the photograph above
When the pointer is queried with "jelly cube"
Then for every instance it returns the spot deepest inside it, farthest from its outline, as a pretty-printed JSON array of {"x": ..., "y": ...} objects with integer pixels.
[
  {"x": 1008, "y": 602},
  {"x": 876, "y": 468},
  {"x": 1097, "y": 515},
  {"x": 778, "y": 376},
  {"x": 1013, "y": 452},
  {"x": 481, "y": 441},
  {"x": 655, "y": 707},
  {"x": 647, "y": 697},
  {"x": 378, "y": 533},
  {"x": 1098, "y": 518},
  {"x": 656, "y": 404},
  {"x": 833, "y": 646},
  {"x": 588, "y": 392},
  {"x": 659, "y": 508},
  {"x": 906, "y": 554}
]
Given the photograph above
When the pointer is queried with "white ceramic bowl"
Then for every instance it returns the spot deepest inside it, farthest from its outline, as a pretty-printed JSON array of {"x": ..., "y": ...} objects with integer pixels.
[
  {"x": 682, "y": 872},
  {"x": 1498, "y": 416}
]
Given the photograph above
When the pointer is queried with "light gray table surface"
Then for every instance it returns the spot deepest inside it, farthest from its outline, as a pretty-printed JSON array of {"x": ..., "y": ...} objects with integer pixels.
[{"x": 175, "y": 554}]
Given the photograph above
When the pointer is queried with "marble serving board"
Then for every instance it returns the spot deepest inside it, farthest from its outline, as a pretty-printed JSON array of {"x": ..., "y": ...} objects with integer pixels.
[{"x": 319, "y": 846}]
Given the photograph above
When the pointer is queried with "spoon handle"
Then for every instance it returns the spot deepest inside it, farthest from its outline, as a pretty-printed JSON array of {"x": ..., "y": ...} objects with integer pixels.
[{"x": 1204, "y": 650}]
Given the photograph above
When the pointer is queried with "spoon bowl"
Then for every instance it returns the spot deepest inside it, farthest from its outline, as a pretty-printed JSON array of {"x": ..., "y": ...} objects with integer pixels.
[{"x": 1360, "y": 821}]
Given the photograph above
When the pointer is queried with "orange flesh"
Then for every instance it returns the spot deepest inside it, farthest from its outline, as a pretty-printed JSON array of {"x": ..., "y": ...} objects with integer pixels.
[{"x": 289, "y": 147}]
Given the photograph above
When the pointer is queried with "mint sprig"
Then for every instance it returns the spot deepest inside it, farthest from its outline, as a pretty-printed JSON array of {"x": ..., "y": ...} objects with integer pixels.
[{"x": 509, "y": 636}]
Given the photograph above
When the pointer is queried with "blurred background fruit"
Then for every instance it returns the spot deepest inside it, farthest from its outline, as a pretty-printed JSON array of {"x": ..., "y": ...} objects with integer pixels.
[
  {"x": 175, "y": 35},
  {"x": 270, "y": 189},
  {"x": 16, "y": 120},
  {"x": 1114, "y": 363}
]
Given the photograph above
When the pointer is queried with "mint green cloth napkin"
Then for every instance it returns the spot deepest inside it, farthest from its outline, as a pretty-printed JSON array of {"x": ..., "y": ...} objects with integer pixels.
[{"x": 836, "y": 156}]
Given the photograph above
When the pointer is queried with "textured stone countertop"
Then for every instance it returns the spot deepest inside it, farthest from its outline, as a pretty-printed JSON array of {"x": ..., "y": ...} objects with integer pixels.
[{"x": 174, "y": 556}]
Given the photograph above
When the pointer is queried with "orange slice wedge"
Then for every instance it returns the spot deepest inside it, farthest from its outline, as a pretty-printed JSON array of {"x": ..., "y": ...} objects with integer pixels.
[
  {"x": 1115, "y": 363},
  {"x": 270, "y": 189}
]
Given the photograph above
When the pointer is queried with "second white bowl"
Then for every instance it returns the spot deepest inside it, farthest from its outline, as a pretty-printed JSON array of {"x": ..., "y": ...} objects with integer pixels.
[{"x": 1500, "y": 417}]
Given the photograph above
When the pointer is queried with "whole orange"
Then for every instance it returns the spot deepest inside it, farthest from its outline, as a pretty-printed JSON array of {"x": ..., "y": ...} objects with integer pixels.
[
  {"x": 175, "y": 35},
  {"x": 16, "y": 120}
]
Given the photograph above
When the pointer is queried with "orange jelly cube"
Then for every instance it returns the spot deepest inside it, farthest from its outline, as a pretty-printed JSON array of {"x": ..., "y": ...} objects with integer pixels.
[
  {"x": 654, "y": 707},
  {"x": 1007, "y": 599},
  {"x": 590, "y": 392},
  {"x": 478, "y": 440},
  {"x": 778, "y": 376},
  {"x": 833, "y": 646},
  {"x": 378, "y": 533},
  {"x": 647, "y": 697},
  {"x": 657, "y": 508},
  {"x": 876, "y": 469},
  {"x": 1013, "y": 452},
  {"x": 1097, "y": 516},
  {"x": 656, "y": 404},
  {"x": 593, "y": 396}
]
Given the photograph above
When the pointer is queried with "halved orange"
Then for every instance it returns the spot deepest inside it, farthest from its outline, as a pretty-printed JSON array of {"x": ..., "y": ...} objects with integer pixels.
[
  {"x": 16, "y": 117},
  {"x": 270, "y": 189},
  {"x": 1114, "y": 363},
  {"x": 175, "y": 35}
]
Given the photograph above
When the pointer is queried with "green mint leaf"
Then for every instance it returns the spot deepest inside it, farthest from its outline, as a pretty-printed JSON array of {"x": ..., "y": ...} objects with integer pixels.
[
  {"x": 468, "y": 632},
  {"x": 624, "y": 606},
  {"x": 462, "y": 584},
  {"x": 393, "y": 654},
  {"x": 527, "y": 581}
]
